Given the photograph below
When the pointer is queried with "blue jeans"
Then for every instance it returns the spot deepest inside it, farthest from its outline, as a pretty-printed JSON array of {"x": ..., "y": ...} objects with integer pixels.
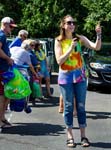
[{"x": 69, "y": 92}]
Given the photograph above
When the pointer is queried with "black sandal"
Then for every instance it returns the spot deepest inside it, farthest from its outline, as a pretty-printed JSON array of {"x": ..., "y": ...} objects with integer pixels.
[
  {"x": 85, "y": 142},
  {"x": 70, "y": 143}
]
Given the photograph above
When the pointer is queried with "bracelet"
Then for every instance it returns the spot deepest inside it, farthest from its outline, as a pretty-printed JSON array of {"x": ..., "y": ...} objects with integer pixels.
[{"x": 99, "y": 36}]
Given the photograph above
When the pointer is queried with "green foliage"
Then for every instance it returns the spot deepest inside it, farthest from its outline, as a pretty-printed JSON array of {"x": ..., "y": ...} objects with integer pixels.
[
  {"x": 12, "y": 9},
  {"x": 1, "y": 9},
  {"x": 98, "y": 10},
  {"x": 41, "y": 17}
]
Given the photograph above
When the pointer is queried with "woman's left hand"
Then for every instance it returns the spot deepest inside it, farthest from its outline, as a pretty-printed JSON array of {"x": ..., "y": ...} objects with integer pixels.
[{"x": 98, "y": 29}]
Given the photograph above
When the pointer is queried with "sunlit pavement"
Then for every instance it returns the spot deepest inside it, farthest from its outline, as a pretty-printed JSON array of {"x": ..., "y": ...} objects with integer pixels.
[{"x": 44, "y": 129}]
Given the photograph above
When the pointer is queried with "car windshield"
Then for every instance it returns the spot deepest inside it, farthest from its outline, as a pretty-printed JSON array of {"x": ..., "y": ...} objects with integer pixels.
[{"x": 105, "y": 50}]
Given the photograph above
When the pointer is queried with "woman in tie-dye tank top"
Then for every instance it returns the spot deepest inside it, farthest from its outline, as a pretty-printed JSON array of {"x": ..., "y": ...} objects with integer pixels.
[{"x": 72, "y": 74}]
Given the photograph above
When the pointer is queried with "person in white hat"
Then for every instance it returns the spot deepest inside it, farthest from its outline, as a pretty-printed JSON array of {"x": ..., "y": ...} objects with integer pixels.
[
  {"x": 7, "y": 24},
  {"x": 9, "y": 21}
]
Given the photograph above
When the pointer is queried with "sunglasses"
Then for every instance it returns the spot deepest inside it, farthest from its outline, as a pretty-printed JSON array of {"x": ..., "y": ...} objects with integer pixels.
[{"x": 71, "y": 23}]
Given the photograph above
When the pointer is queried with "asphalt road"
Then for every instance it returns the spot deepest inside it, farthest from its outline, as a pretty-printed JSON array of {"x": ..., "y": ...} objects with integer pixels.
[{"x": 44, "y": 128}]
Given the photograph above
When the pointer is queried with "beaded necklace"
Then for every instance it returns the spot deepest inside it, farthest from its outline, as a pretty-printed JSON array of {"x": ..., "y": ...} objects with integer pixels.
[{"x": 40, "y": 55}]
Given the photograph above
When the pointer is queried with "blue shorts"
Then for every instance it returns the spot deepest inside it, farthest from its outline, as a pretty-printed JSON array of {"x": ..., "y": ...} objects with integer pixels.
[{"x": 44, "y": 73}]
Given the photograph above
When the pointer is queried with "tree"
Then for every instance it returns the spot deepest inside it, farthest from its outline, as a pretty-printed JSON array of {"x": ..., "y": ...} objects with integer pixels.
[
  {"x": 41, "y": 17},
  {"x": 12, "y": 9},
  {"x": 98, "y": 10}
]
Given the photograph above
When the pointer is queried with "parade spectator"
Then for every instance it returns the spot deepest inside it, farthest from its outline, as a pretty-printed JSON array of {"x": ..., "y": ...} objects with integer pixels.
[
  {"x": 73, "y": 75},
  {"x": 21, "y": 56},
  {"x": 7, "y": 25},
  {"x": 35, "y": 63},
  {"x": 32, "y": 54},
  {"x": 43, "y": 67},
  {"x": 22, "y": 35}
]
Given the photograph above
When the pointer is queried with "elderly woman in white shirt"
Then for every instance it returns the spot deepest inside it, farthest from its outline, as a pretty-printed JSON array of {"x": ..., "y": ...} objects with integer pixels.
[{"x": 21, "y": 56}]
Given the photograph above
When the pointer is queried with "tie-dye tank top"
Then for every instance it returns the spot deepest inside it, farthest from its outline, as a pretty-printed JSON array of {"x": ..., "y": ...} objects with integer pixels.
[{"x": 73, "y": 69}]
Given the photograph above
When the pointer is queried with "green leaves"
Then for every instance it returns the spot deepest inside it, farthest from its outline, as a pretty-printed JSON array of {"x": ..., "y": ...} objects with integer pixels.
[
  {"x": 41, "y": 17},
  {"x": 98, "y": 10}
]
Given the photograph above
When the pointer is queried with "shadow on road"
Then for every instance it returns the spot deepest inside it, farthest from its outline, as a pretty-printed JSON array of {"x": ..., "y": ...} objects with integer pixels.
[
  {"x": 98, "y": 115},
  {"x": 51, "y": 102},
  {"x": 101, "y": 145},
  {"x": 35, "y": 129},
  {"x": 102, "y": 90}
]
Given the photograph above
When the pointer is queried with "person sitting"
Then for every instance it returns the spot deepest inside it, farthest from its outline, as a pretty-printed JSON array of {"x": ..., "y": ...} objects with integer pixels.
[
  {"x": 21, "y": 56},
  {"x": 34, "y": 62}
]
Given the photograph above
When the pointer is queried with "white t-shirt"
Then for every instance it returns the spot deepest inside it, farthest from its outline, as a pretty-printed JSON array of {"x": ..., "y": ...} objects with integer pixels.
[{"x": 20, "y": 56}]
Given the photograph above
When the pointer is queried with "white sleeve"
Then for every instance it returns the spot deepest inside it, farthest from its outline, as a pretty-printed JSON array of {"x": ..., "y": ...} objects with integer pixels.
[{"x": 27, "y": 58}]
